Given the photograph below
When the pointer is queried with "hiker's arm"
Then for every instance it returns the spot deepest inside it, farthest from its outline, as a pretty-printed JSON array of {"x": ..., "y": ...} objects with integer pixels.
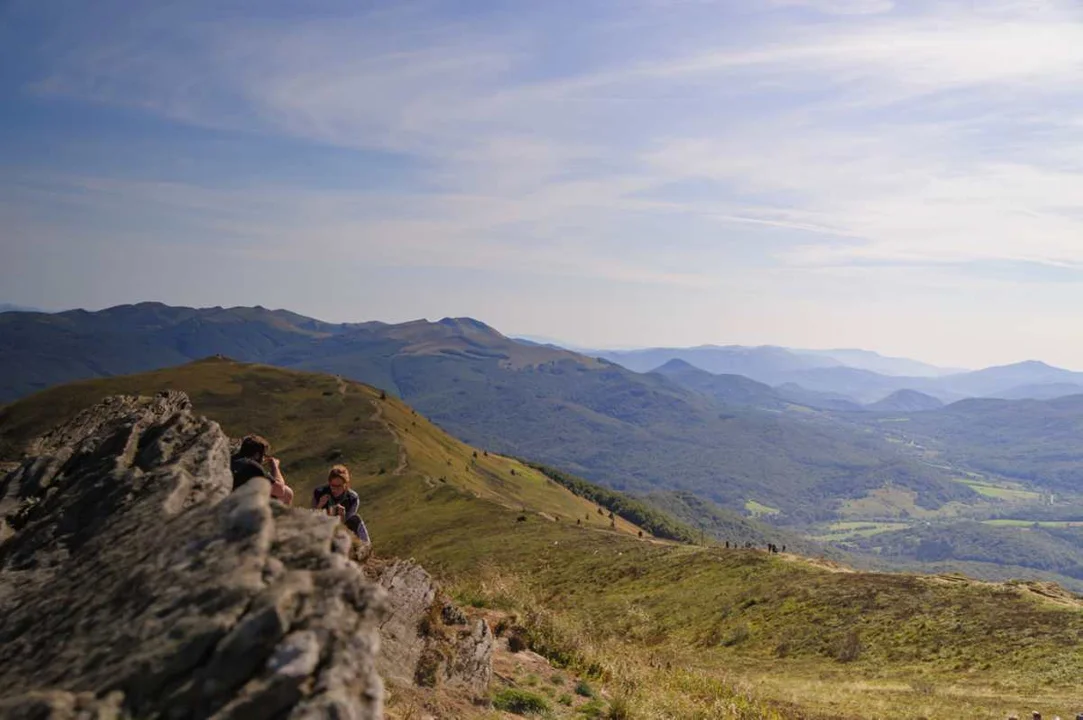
[{"x": 276, "y": 474}]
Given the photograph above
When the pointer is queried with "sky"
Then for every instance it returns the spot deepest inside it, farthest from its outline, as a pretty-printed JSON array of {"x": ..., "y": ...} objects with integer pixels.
[{"x": 905, "y": 177}]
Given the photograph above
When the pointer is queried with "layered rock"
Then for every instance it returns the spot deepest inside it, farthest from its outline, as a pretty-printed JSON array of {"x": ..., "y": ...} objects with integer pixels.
[
  {"x": 428, "y": 641},
  {"x": 133, "y": 583}
]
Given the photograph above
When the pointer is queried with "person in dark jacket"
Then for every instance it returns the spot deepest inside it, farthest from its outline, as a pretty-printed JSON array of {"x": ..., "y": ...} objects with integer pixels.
[
  {"x": 250, "y": 462},
  {"x": 337, "y": 499}
]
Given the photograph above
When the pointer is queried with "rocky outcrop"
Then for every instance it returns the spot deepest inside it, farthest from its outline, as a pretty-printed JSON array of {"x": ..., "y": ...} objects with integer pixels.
[
  {"x": 134, "y": 584},
  {"x": 428, "y": 641}
]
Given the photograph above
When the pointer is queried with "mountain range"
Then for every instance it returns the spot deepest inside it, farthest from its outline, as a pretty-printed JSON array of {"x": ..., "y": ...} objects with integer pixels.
[
  {"x": 769, "y": 364},
  {"x": 818, "y": 462},
  {"x": 858, "y": 376},
  {"x": 730, "y": 438},
  {"x": 630, "y": 431}
]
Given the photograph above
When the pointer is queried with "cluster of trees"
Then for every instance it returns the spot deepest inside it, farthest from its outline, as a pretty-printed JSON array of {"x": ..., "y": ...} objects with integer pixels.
[
  {"x": 634, "y": 511},
  {"x": 1041, "y": 548}
]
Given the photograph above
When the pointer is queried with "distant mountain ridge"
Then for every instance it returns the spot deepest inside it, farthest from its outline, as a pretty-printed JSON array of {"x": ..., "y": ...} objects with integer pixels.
[
  {"x": 906, "y": 401},
  {"x": 884, "y": 365},
  {"x": 827, "y": 373},
  {"x": 736, "y": 390},
  {"x": 39, "y": 350},
  {"x": 637, "y": 432},
  {"x": 770, "y": 364}
]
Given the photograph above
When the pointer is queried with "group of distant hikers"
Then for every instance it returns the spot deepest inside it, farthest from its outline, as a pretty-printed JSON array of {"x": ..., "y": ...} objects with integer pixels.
[{"x": 336, "y": 499}]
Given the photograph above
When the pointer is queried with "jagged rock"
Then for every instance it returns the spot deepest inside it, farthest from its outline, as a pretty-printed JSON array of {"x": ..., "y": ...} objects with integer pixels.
[
  {"x": 418, "y": 646},
  {"x": 472, "y": 665},
  {"x": 452, "y": 614},
  {"x": 133, "y": 583}
]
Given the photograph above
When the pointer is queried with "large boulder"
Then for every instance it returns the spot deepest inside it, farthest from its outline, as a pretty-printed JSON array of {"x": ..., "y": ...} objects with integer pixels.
[
  {"x": 425, "y": 639},
  {"x": 133, "y": 583}
]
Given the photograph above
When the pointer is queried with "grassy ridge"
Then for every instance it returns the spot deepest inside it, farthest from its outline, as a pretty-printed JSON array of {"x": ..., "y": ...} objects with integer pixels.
[{"x": 674, "y": 630}]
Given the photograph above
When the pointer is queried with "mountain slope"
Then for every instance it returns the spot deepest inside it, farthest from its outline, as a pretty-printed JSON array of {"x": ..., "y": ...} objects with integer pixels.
[
  {"x": 990, "y": 381},
  {"x": 821, "y": 400},
  {"x": 733, "y": 390},
  {"x": 867, "y": 360},
  {"x": 1046, "y": 391},
  {"x": 1035, "y": 442},
  {"x": 766, "y": 364},
  {"x": 641, "y": 432},
  {"x": 906, "y": 401},
  {"x": 38, "y": 350},
  {"x": 663, "y": 623},
  {"x": 626, "y": 430}
]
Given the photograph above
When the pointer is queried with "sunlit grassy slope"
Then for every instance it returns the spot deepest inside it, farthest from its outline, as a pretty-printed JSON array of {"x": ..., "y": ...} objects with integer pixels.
[{"x": 676, "y": 630}]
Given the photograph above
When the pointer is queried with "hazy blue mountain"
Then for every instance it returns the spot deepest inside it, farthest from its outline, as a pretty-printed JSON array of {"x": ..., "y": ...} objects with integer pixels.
[
  {"x": 868, "y": 360},
  {"x": 859, "y": 375},
  {"x": 820, "y": 400},
  {"x": 992, "y": 381},
  {"x": 1022, "y": 380},
  {"x": 769, "y": 365},
  {"x": 906, "y": 401},
  {"x": 735, "y": 390},
  {"x": 864, "y": 386},
  {"x": 1047, "y": 391}
]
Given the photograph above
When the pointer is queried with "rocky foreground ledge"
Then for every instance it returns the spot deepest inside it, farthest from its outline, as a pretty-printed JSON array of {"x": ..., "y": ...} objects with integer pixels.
[{"x": 133, "y": 583}]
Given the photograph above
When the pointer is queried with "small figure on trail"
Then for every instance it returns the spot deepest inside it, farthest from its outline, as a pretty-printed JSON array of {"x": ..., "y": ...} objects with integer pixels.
[
  {"x": 254, "y": 460},
  {"x": 337, "y": 499}
]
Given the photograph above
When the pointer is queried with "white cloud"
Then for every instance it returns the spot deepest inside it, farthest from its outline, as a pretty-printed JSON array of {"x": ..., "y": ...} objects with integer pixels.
[{"x": 916, "y": 135}]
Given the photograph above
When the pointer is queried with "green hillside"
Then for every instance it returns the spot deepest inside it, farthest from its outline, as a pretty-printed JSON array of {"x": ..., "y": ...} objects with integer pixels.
[
  {"x": 1033, "y": 441},
  {"x": 632, "y": 432},
  {"x": 669, "y": 630}
]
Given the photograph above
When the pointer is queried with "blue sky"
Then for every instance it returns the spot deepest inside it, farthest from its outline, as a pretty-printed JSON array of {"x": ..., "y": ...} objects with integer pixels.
[{"x": 901, "y": 176}]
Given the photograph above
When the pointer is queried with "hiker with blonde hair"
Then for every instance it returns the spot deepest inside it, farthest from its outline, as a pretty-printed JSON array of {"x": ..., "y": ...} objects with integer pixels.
[{"x": 337, "y": 499}]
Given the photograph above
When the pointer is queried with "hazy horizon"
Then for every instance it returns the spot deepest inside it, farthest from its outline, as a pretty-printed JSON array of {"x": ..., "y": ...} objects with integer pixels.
[
  {"x": 902, "y": 177},
  {"x": 572, "y": 345}
]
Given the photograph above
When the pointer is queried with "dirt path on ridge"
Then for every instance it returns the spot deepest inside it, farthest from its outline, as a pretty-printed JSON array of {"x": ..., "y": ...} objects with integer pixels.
[{"x": 378, "y": 416}]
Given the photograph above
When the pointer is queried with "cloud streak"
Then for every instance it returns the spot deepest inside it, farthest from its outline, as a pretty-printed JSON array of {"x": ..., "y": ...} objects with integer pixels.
[{"x": 691, "y": 144}]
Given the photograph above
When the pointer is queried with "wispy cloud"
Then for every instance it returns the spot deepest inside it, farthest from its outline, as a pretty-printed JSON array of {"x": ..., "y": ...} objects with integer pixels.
[{"x": 685, "y": 144}]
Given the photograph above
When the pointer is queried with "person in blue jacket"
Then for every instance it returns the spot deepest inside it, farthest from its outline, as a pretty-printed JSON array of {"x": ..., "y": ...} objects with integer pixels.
[{"x": 337, "y": 499}]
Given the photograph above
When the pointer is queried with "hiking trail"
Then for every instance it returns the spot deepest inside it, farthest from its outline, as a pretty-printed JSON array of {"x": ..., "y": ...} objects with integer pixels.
[{"x": 378, "y": 416}]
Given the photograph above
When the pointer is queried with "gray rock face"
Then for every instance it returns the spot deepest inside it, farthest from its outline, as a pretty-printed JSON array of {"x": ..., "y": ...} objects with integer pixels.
[
  {"x": 418, "y": 643},
  {"x": 133, "y": 583}
]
